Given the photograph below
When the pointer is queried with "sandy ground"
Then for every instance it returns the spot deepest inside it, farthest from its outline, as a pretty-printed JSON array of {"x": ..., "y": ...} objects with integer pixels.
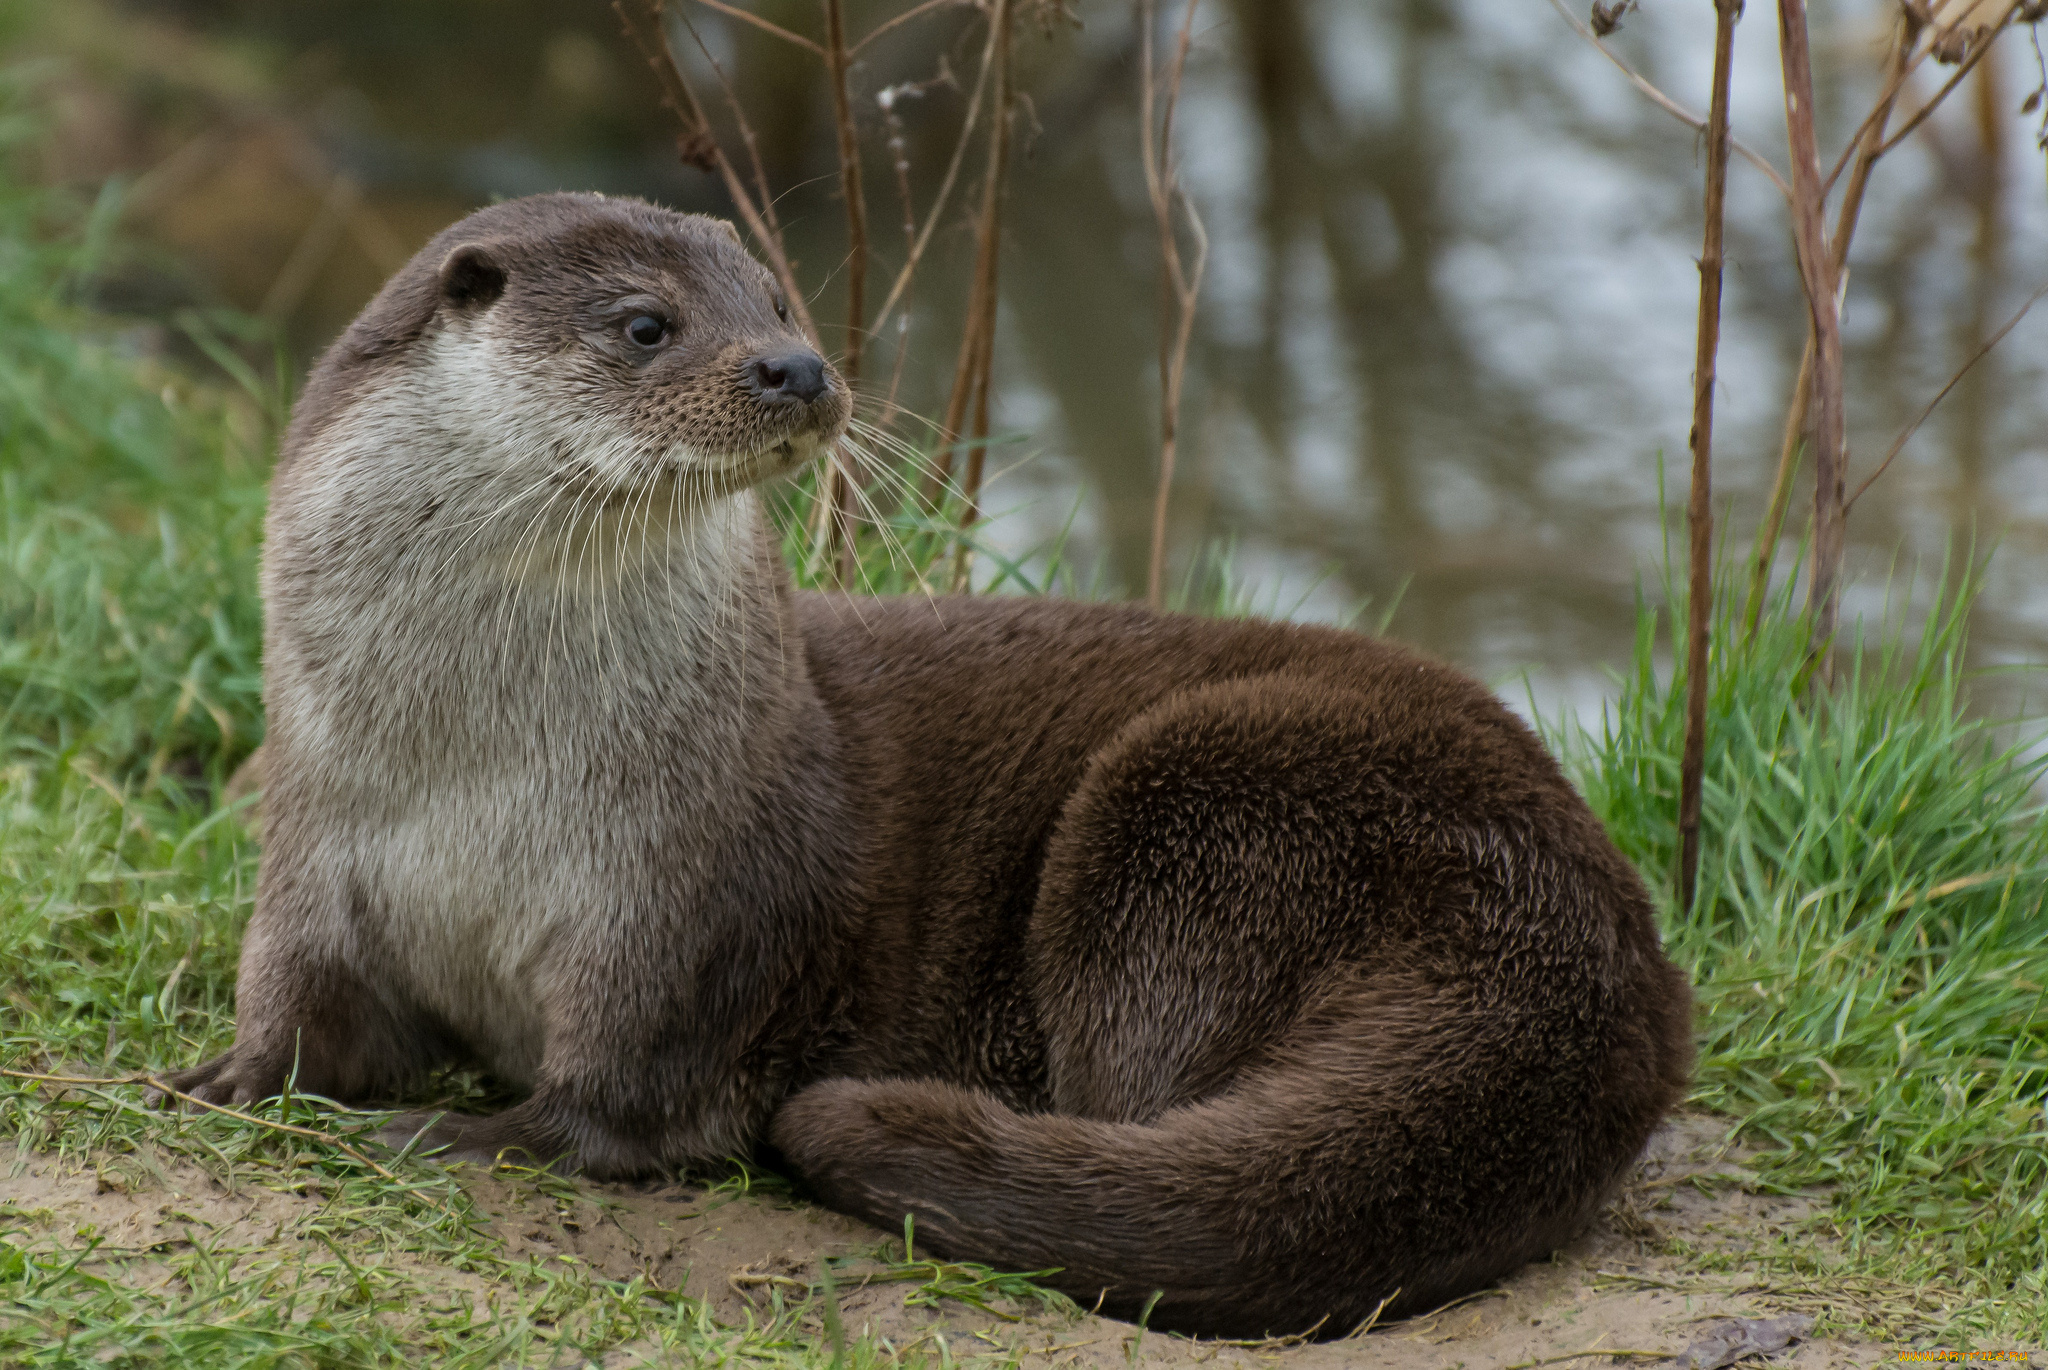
[{"x": 1618, "y": 1289}]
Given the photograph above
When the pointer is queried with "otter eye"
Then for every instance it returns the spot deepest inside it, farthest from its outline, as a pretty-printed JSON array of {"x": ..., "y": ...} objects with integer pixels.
[
  {"x": 647, "y": 330},
  {"x": 781, "y": 309}
]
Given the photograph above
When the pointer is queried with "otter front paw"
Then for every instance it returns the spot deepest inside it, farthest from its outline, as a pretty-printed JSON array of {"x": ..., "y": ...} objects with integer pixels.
[{"x": 230, "y": 1079}]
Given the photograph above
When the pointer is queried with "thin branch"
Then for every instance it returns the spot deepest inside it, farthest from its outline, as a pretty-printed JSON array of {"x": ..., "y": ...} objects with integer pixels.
[
  {"x": 1180, "y": 285},
  {"x": 973, "y": 369},
  {"x": 762, "y": 24},
  {"x": 899, "y": 164},
  {"x": 1968, "y": 65},
  {"x": 1910, "y": 429},
  {"x": 1699, "y": 513},
  {"x": 1824, "y": 303},
  {"x": 698, "y": 147},
  {"x": 162, "y": 1088},
  {"x": 739, "y": 116},
  {"x": 845, "y": 470},
  {"x": 924, "y": 237},
  {"x": 1869, "y": 140},
  {"x": 1913, "y": 24},
  {"x": 1671, "y": 106},
  {"x": 927, "y": 7},
  {"x": 850, "y": 188}
]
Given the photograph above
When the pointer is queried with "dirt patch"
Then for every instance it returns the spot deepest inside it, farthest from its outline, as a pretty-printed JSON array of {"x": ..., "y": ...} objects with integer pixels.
[
  {"x": 1616, "y": 1290},
  {"x": 1627, "y": 1286}
]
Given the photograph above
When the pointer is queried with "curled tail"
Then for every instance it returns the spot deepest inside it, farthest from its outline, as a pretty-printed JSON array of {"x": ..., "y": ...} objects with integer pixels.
[{"x": 1398, "y": 1154}]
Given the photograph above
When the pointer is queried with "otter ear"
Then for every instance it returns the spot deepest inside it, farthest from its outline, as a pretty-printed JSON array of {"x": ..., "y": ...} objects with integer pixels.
[
  {"x": 471, "y": 277},
  {"x": 733, "y": 229}
]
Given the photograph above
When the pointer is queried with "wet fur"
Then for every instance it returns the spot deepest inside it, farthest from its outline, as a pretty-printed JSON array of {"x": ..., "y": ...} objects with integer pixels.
[{"x": 1274, "y": 969}]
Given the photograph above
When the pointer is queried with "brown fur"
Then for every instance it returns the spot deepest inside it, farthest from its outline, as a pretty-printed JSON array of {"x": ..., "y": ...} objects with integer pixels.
[{"x": 1272, "y": 969}]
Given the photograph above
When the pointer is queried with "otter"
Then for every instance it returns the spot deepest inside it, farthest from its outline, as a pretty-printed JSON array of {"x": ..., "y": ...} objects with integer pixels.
[{"x": 1268, "y": 975}]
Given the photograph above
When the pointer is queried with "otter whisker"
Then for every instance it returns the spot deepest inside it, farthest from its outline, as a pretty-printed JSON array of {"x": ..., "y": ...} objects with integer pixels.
[
  {"x": 899, "y": 555},
  {"x": 478, "y": 525},
  {"x": 907, "y": 452},
  {"x": 515, "y": 582}
]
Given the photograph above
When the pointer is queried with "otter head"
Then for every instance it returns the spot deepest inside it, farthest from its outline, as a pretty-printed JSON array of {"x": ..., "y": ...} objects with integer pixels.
[{"x": 598, "y": 345}]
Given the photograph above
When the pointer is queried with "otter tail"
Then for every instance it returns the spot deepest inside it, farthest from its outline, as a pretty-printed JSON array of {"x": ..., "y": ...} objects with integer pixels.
[{"x": 1401, "y": 1149}]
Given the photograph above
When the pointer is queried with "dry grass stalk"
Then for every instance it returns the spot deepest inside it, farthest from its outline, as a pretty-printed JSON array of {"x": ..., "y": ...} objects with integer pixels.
[
  {"x": 1867, "y": 146},
  {"x": 1180, "y": 282},
  {"x": 836, "y": 61},
  {"x": 899, "y": 166},
  {"x": 168, "y": 1091},
  {"x": 1906, "y": 433},
  {"x": 1817, "y": 273},
  {"x": 974, "y": 365},
  {"x": 772, "y": 29},
  {"x": 1669, "y": 105},
  {"x": 846, "y": 475},
  {"x": 698, "y": 146},
  {"x": 1699, "y": 514},
  {"x": 1980, "y": 44}
]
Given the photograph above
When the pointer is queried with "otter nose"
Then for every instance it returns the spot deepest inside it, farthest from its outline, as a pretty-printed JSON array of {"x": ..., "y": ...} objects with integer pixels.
[{"x": 797, "y": 375}]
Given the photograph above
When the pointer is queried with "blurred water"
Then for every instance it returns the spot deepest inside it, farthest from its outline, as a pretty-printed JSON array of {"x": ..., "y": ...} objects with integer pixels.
[{"x": 1446, "y": 340}]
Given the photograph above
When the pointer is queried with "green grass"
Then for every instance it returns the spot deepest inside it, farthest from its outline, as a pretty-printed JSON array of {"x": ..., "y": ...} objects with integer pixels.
[{"x": 1870, "y": 947}]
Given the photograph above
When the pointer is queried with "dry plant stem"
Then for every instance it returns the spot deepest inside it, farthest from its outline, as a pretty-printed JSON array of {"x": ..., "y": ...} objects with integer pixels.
[
  {"x": 1671, "y": 106},
  {"x": 1868, "y": 149},
  {"x": 977, "y": 350},
  {"x": 1699, "y": 513},
  {"x": 1968, "y": 65},
  {"x": 1817, "y": 273},
  {"x": 1179, "y": 284},
  {"x": 849, "y": 188},
  {"x": 699, "y": 147},
  {"x": 1907, "y": 59},
  {"x": 846, "y": 475},
  {"x": 1906, "y": 433},
  {"x": 912, "y": 13},
  {"x": 766, "y": 203},
  {"x": 899, "y": 162},
  {"x": 161, "y": 1087},
  {"x": 924, "y": 237},
  {"x": 762, "y": 24}
]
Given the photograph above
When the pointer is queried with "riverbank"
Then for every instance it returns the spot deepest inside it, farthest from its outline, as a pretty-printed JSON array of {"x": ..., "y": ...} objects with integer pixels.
[{"x": 1870, "y": 951}]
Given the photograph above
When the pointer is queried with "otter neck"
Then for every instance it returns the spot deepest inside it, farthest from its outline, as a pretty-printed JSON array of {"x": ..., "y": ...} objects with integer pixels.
[{"x": 602, "y": 641}]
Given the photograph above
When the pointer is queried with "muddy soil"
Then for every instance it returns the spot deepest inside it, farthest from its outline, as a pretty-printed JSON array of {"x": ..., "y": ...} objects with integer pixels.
[{"x": 1620, "y": 1289}]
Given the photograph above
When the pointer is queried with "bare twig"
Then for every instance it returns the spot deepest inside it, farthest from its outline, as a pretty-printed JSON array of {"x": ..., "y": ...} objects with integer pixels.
[
  {"x": 924, "y": 237},
  {"x": 762, "y": 24},
  {"x": 1180, "y": 283},
  {"x": 1699, "y": 513},
  {"x": 1582, "y": 1355},
  {"x": 972, "y": 369},
  {"x": 1905, "y": 61},
  {"x": 1868, "y": 147},
  {"x": 698, "y": 147},
  {"x": 1817, "y": 273},
  {"x": 1671, "y": 106},
  {"x": 1910, "y": 429},
  {"x": 849, "y": 187},
  {"x": 846, "y": 476},
  {"x": 748, "y": 138},
  {"x": 899, "y": 164},
  {"x": 1968, "y": 65},
  {"x": 161, "y": 1087},
  {"x": 914, "y": 12}
]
